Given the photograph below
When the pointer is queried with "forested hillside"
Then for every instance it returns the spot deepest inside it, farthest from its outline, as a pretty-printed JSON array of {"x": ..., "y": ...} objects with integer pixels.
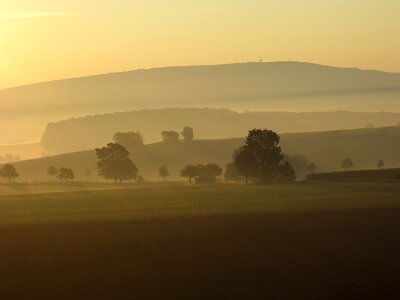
[{"x": 89, "y": 132}]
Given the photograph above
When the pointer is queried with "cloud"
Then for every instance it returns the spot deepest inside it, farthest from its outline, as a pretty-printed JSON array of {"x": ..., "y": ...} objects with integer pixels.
[{"x": 36, "y": 14}]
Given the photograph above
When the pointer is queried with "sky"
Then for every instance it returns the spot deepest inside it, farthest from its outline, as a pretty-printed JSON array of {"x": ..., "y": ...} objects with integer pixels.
[{"x": 43, "y": 40}]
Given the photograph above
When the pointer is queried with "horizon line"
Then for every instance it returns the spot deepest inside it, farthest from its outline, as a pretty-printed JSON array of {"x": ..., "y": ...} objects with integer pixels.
[{"x": 186, "y": 66}]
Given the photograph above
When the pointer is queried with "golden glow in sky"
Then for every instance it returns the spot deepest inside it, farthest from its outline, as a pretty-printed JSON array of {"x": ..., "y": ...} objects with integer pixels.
[{"x": 46, "y": 39}]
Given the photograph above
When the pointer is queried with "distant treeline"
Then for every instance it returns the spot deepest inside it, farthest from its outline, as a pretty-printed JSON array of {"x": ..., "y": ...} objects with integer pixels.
[
  {"x": 9, "y": 157},
  {"x": 88, "y": 132}
]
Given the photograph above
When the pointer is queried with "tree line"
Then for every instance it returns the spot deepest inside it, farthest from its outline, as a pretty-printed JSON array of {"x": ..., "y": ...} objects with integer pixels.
[
  {"x": 259, "y": 160},
  {"x": 131, "y": 139}
]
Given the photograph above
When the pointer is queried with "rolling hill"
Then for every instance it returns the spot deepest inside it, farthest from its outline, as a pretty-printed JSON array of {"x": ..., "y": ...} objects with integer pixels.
[
  {"x": 325, "y": 149},
  {"x": 290, "y": 86},
  {"x": 89, "y": 132}
]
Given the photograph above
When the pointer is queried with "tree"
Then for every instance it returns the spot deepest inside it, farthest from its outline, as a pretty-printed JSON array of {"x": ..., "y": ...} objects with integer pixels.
[
  {"x": 9, "y": 172},
  {"x": 347, "y": 164},
  {"x": 210, "y": 170},
  {"x": 287, "y": 173},
  {"x": 187, "y": 134},
  {"x": 163, "y": 172},
  {"x": 170, "y": 136},
  {"x": 129, "y": 139},
  {"x": 190, "y": 172},
  {"x": 261, "y": 157},
  {"x": 245, "y": 163},
  {"x": 114, "y": 163},
  {"x": 380, "y": 164},
  {"x": 231, "y": 173},
  {"x": 52, "y": 171},
  {"x": 65, "y": 174}
]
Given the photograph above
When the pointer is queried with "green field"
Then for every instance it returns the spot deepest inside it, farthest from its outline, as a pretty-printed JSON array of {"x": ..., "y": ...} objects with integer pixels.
[{"x": 302, "y": 241}]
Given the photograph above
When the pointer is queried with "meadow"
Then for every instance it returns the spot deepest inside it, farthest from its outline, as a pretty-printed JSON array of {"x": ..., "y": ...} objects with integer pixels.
[{"x": 177, "y": 241}]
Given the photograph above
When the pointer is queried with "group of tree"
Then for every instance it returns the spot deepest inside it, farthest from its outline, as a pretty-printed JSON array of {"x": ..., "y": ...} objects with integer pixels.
[
  {"x": 173, "y": 136},
  {"x": 129, "y": 140},
  {"x": 63, "y": 174},
  {"x": 261, "y": 159},
  {"x": 347, "y": 164},
  {"x": 9, "y": 172},
  {"x": 200, "y": 171}
]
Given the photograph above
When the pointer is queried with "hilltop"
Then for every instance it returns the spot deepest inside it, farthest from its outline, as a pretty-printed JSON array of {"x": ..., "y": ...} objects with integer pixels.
[{"x": 290, "y": 86}]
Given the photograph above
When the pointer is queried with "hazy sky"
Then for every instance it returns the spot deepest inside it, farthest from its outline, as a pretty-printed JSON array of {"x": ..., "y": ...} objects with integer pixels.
[{"x": 53, "y": 39}]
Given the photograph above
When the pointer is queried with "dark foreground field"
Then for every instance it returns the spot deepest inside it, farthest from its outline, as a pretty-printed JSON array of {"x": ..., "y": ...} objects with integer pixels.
[{"x": 300, "y": 242}]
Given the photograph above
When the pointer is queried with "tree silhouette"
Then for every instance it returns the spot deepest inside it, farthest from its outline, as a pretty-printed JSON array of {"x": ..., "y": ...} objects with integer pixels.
[
  {"x": 114, "y": 163},
  {"x": 65, "y": 174},
  {"x": 170, "y": 136},
  {"x": 231, "y": 172},
  {"x": 163, "y": 172},
  {"x": 380, "y": 164},
  {"x": 287, "y": 173},
  {"x": 52, "y": 171},
  {"x": 245, "y": 163},
  {"x": 190, "y": 172},
  {"x": 129, "y": 139},
  {"x": 9, "y": 172},
  {"x": 347, "y": 164},
  {"x": 210, "y": 170},
  {"x": 261, "y": 158},
  {"x": 187, "y": 134}
]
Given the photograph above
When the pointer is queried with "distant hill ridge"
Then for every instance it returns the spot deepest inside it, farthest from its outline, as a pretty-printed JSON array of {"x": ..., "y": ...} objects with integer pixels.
[
  {"x": 88, "y": 132},
  {"x": 278, "y": 86}
]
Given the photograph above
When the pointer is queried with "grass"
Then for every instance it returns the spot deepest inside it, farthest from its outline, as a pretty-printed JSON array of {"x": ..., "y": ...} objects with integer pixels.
[
  {"x": 102, "y": 201},
  {"x": 302, "y": 241}
]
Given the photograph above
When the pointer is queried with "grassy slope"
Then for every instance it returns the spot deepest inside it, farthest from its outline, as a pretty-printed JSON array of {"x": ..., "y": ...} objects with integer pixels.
[
  {"x": 326, "y": 149},
  {"x": 327, "y": 241}
]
